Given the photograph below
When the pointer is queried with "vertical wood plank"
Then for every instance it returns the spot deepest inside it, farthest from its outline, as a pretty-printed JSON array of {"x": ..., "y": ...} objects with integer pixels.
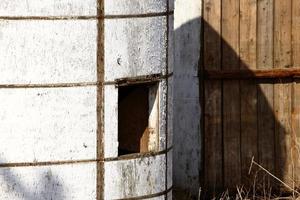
[
  {"x": 266, "y": 140},
  {"x": 296, "y": 91},
  {"x": 212, "y": 106},
  {"x": 231, "y": 95},
  {"x": 282, "y": 91},
  {"x": 248, "y": 88}
]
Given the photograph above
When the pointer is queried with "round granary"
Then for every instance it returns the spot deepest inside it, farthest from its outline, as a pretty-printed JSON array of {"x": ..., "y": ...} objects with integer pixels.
[{"x": 86, "y": 99}]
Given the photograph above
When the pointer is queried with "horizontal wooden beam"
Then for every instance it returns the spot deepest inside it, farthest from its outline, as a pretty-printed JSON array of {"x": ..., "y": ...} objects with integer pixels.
[{"x": 282, "y": 73}]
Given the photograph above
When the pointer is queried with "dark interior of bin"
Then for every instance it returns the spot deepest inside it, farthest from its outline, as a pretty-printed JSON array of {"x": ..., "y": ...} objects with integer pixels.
[{"x": 133, "y": 119}]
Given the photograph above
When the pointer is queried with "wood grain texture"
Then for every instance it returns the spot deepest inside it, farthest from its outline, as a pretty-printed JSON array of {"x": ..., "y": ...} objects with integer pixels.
[
  {"x": 212, "y": 99},
  {"x": 231, "y": 95},
  {"x": 264, "y": 73},
  {"x": 265, "y": 116},
  {"x": 296, "y": 92},
  {"x": 260, "y": 95},
  {"x": 248, "y": 88},
  {"x": 282, "y": 91}
]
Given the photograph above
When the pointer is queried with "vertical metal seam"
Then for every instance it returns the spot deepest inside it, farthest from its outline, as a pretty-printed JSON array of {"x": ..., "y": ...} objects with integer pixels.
[
  {"x": 100, "y": 101},
  {"x": 167, "y": 95}
]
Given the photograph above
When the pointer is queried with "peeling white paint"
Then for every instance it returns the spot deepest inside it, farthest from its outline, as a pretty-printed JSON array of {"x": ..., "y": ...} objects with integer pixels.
[
  {"x": 63, "y": 182},
  {"x": 134, "y": 47},
  {"x": 42, "y": 51},
  {"x": 60, "y": 124},
  {"x": 137, "y": 177},
  {"x": 131, "y": 7},
  {"x": 48, "y": 8},
  {"x": 38, "y": 125},
  {"x": 162, "y": 115},
  {"x": 111, "y": 122}
]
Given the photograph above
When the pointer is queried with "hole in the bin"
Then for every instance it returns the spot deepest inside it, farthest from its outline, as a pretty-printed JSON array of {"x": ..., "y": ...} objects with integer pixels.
[{"x": 138, "y": 115}]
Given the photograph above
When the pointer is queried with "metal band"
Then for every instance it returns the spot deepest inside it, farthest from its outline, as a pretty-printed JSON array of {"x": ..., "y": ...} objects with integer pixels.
[
  {"x": 52, "y": 85},
  {"x": 138, "y": 80},
  {"x": 164, "y": 193},
  {"x": 47, "y": 163},
  {"x": 100, "y": 17},
  {"x": 139, "y": 155},
  {"x": 100, "y": 101},
  {"x": 70, "y": 162},
  {"x": 167, "y": 98},
  {"x": 118, "y": 82}
]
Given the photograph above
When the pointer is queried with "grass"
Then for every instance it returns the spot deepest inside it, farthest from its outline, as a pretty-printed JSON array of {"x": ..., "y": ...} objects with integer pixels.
[{"x": 260, "y": 189}]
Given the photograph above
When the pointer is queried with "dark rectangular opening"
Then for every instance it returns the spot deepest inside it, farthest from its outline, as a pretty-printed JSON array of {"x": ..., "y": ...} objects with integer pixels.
[{"x": 137, "y": 118}]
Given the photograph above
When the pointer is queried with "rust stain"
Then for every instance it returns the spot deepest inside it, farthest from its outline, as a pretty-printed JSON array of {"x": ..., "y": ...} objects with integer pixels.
[
  {"x": 71, "y": 162},
  {"x": 46, "y": 163},
  {"x": 100, "y": 102},
  {"x": 100, "y": 16},
  {"x": 139, "y": 80},
  {"x": 150, "y": 196},
  {"x": 139, "y": 155},
  {"x": 49, "y": 85}
]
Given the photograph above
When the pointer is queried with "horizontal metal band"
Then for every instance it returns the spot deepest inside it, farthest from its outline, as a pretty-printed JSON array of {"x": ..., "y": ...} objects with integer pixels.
[
  {"x": 149, "y": 196},
  {"x": 69, "y": 162},
  {"x": 139, "y": 155},
  {"x": 159, "y": 14},
  {"x": 281, "y": 73},
  {"x": 138, "y": 80},
  {"x": 48, "y": 163},
  {"x": 118, "y": 82},
  {"x": 50, "y": 85}
]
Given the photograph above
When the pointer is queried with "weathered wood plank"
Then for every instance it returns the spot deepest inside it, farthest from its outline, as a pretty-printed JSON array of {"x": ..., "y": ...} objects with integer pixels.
[
  {"x": 231, "y": 100},
  {"x": 265, "y": 116},
  {"x": 284, "y": 73},
  {"x": 296, "y": 92},
  {"x": 248, "y": 9},
  {"x": 282, "y": 91},
  {"x": 212, "y": 107}
]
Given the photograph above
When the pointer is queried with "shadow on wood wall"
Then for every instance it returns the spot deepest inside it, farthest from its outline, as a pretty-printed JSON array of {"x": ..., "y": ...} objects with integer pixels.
[{"x": 251, "y": 99}]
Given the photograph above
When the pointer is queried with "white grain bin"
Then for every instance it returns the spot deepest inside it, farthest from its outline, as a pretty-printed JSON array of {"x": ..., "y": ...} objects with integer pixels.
[{"x": 86, "y": 99}]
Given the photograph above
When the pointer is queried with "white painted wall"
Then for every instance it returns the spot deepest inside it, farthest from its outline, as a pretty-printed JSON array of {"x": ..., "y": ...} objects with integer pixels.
[
  {"x": 42, "y": 51},
  {"x": 186, "y": 96},
  {"x": 58, "y": 182},
  {"x": 47, "y": 124},
  {"x": 59, "y": 124}
]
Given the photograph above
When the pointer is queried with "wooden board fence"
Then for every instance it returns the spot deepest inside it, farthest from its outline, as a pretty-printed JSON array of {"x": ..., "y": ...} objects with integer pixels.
[{"x": 251, "y": 101}]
